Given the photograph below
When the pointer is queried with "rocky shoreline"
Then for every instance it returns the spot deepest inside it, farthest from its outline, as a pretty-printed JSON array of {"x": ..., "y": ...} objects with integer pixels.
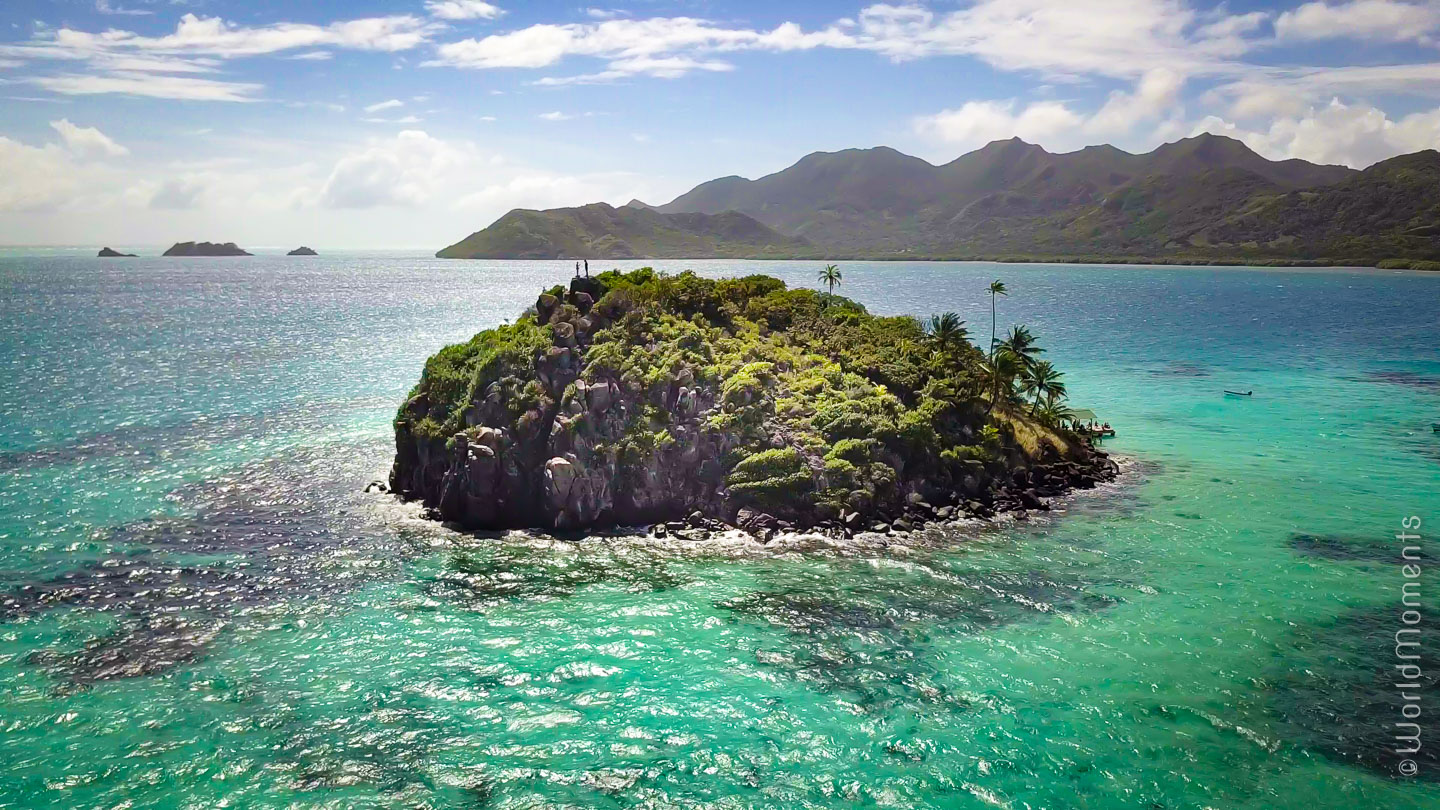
[
  {"x": 1032, "y": 491},
  {"x": 694, "y": 407}
]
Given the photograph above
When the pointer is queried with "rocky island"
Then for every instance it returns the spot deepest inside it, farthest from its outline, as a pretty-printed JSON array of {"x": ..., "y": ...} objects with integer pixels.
[
  {"x": 642, "y": 398},
  {"x": 107, "y": 253},
  {"x": 302, "y": 251},
  {"x": 205, "y": 249}
]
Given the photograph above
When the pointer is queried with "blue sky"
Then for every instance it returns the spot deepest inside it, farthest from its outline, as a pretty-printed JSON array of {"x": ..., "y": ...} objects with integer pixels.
[{"x": 373, "y": 124}]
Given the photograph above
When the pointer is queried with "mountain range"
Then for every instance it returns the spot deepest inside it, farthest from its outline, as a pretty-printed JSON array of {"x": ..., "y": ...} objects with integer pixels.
[{"x": 1206, "y": 198}]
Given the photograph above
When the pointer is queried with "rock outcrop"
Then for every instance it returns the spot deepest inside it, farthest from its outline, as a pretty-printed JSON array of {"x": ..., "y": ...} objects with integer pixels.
[
  {"x": 107, "y": 253},
  {"x": 302, "y": 251},
  {"x": 637, "y": 398},
  {"x": 205, "y": 249}
]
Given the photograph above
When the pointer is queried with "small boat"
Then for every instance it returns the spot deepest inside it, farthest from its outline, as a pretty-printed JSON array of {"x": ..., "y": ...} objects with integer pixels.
[{"x": 1240, "y": 393}]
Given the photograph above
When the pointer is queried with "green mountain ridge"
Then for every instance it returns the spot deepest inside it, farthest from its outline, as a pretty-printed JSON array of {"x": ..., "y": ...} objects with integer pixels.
[
  {"x": 601, "y": 231},
  {"x": 1206, "y": 198}
]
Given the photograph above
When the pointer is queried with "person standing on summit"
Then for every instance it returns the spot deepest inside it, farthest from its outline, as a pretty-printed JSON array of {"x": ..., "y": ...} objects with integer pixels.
[{"x": 587, "y": 268}]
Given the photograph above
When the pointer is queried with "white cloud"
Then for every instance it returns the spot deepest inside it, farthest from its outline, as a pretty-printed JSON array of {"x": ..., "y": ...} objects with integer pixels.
[
  {"x": 126, "y": 63},
  {"x": 406, "y": 119},
  {"x": 977, "y": 123},
  {"x": 1385, "y": 20},
  {"x": 1355, "y": 135},
  {"x": 385, "y": 105},
  {"x": 1112, "y": 38},
  {"x": 555, "y": 116},
  {"x": 104, "y": 7},
  {"x": 180, "y": 194},
  {"x": 1056, "y": 124},
  {"x": 87, "y": 142},
  {"x": 671, "y": 67},
  {"x": 542, "y": 190},
  {"x": 401, "y": 171},
  {"x": 463, "y": 9},
  {"x": 1255, "y": 99},
  {"x": 1155, "y": 94},
  {"x": 148, "y": 85},
  {"x": 35, "y": 178},
  {"x": 214, "y": 36},
  {"x": 662, "y": 46},
  {"x": 312, "y": 56},
  {"x": 1227, "y": 25}
]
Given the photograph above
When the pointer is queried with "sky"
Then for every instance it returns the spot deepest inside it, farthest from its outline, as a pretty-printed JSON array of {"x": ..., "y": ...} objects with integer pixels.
[{"x": 367, "y": 124}]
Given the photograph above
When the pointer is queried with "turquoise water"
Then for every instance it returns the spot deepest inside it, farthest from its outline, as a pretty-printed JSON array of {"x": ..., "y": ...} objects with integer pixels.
[{"x": 202, "y": 608}]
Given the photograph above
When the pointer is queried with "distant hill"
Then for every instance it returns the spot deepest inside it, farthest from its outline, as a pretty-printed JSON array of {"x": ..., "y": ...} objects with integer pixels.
[
  {"x": 205, "y": 249},
  {"x": 1206, "y": 198},
  {"x": 600, "y": 231}
]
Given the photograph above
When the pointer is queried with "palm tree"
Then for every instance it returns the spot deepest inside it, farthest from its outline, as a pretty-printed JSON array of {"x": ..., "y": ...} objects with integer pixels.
[
  {"x": 1055, "y": 415},
  {"x": 997, "y": 287},
  {"x": 1022, "y": 344},
  {"x": 1003, "y": 370},
  {"x": 830, "y": 277},
  {"x": 947, "y": 330},
  {"x": 1042, "y": 381}
]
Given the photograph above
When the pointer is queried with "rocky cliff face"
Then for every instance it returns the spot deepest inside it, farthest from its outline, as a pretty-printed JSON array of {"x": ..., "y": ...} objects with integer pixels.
[{"x": 614, "y": 404}]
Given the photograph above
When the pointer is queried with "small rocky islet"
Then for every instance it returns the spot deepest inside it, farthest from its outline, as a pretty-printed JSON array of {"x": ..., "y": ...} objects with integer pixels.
[
  {"x": 206, "y": 249},
  {"x": 108, "y": 253},
  {"x": 695, "y": 405},
  {"x": 302, "y": 251}
]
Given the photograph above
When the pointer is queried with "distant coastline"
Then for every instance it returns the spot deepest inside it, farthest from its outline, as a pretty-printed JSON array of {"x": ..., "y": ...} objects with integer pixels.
[
  {"x": 1206, "y": 200},
  {"x": 1162, "y": 261}
]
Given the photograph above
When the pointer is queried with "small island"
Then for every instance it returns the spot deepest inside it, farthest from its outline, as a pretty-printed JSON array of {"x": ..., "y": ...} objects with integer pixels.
[
  {"x": 302, "y": 251},
  {"x": 107, "y": 253},
  {"x": 205, "y": 249},
  {"x": 695, "y": 405}
]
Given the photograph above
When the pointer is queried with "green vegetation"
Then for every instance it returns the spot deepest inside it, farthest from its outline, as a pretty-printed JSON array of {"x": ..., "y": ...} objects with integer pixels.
[
  {"x": 791, "y": 401},
  {"x": 1409, "y": 264},
  {"x": 601, "y": 231},
  {"x": 1201, "y": 200}
]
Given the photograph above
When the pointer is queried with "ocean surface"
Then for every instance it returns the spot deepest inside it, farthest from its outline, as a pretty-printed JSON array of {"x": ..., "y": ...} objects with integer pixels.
[{"x": 200, "y": 607}]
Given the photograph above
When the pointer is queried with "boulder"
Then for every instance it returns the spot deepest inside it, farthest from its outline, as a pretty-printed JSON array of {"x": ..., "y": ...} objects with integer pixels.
[{"x": 560, "y": 477}]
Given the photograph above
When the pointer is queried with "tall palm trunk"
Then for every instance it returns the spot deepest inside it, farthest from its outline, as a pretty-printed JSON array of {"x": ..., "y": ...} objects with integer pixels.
[{"x": 992, "y": 327}]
